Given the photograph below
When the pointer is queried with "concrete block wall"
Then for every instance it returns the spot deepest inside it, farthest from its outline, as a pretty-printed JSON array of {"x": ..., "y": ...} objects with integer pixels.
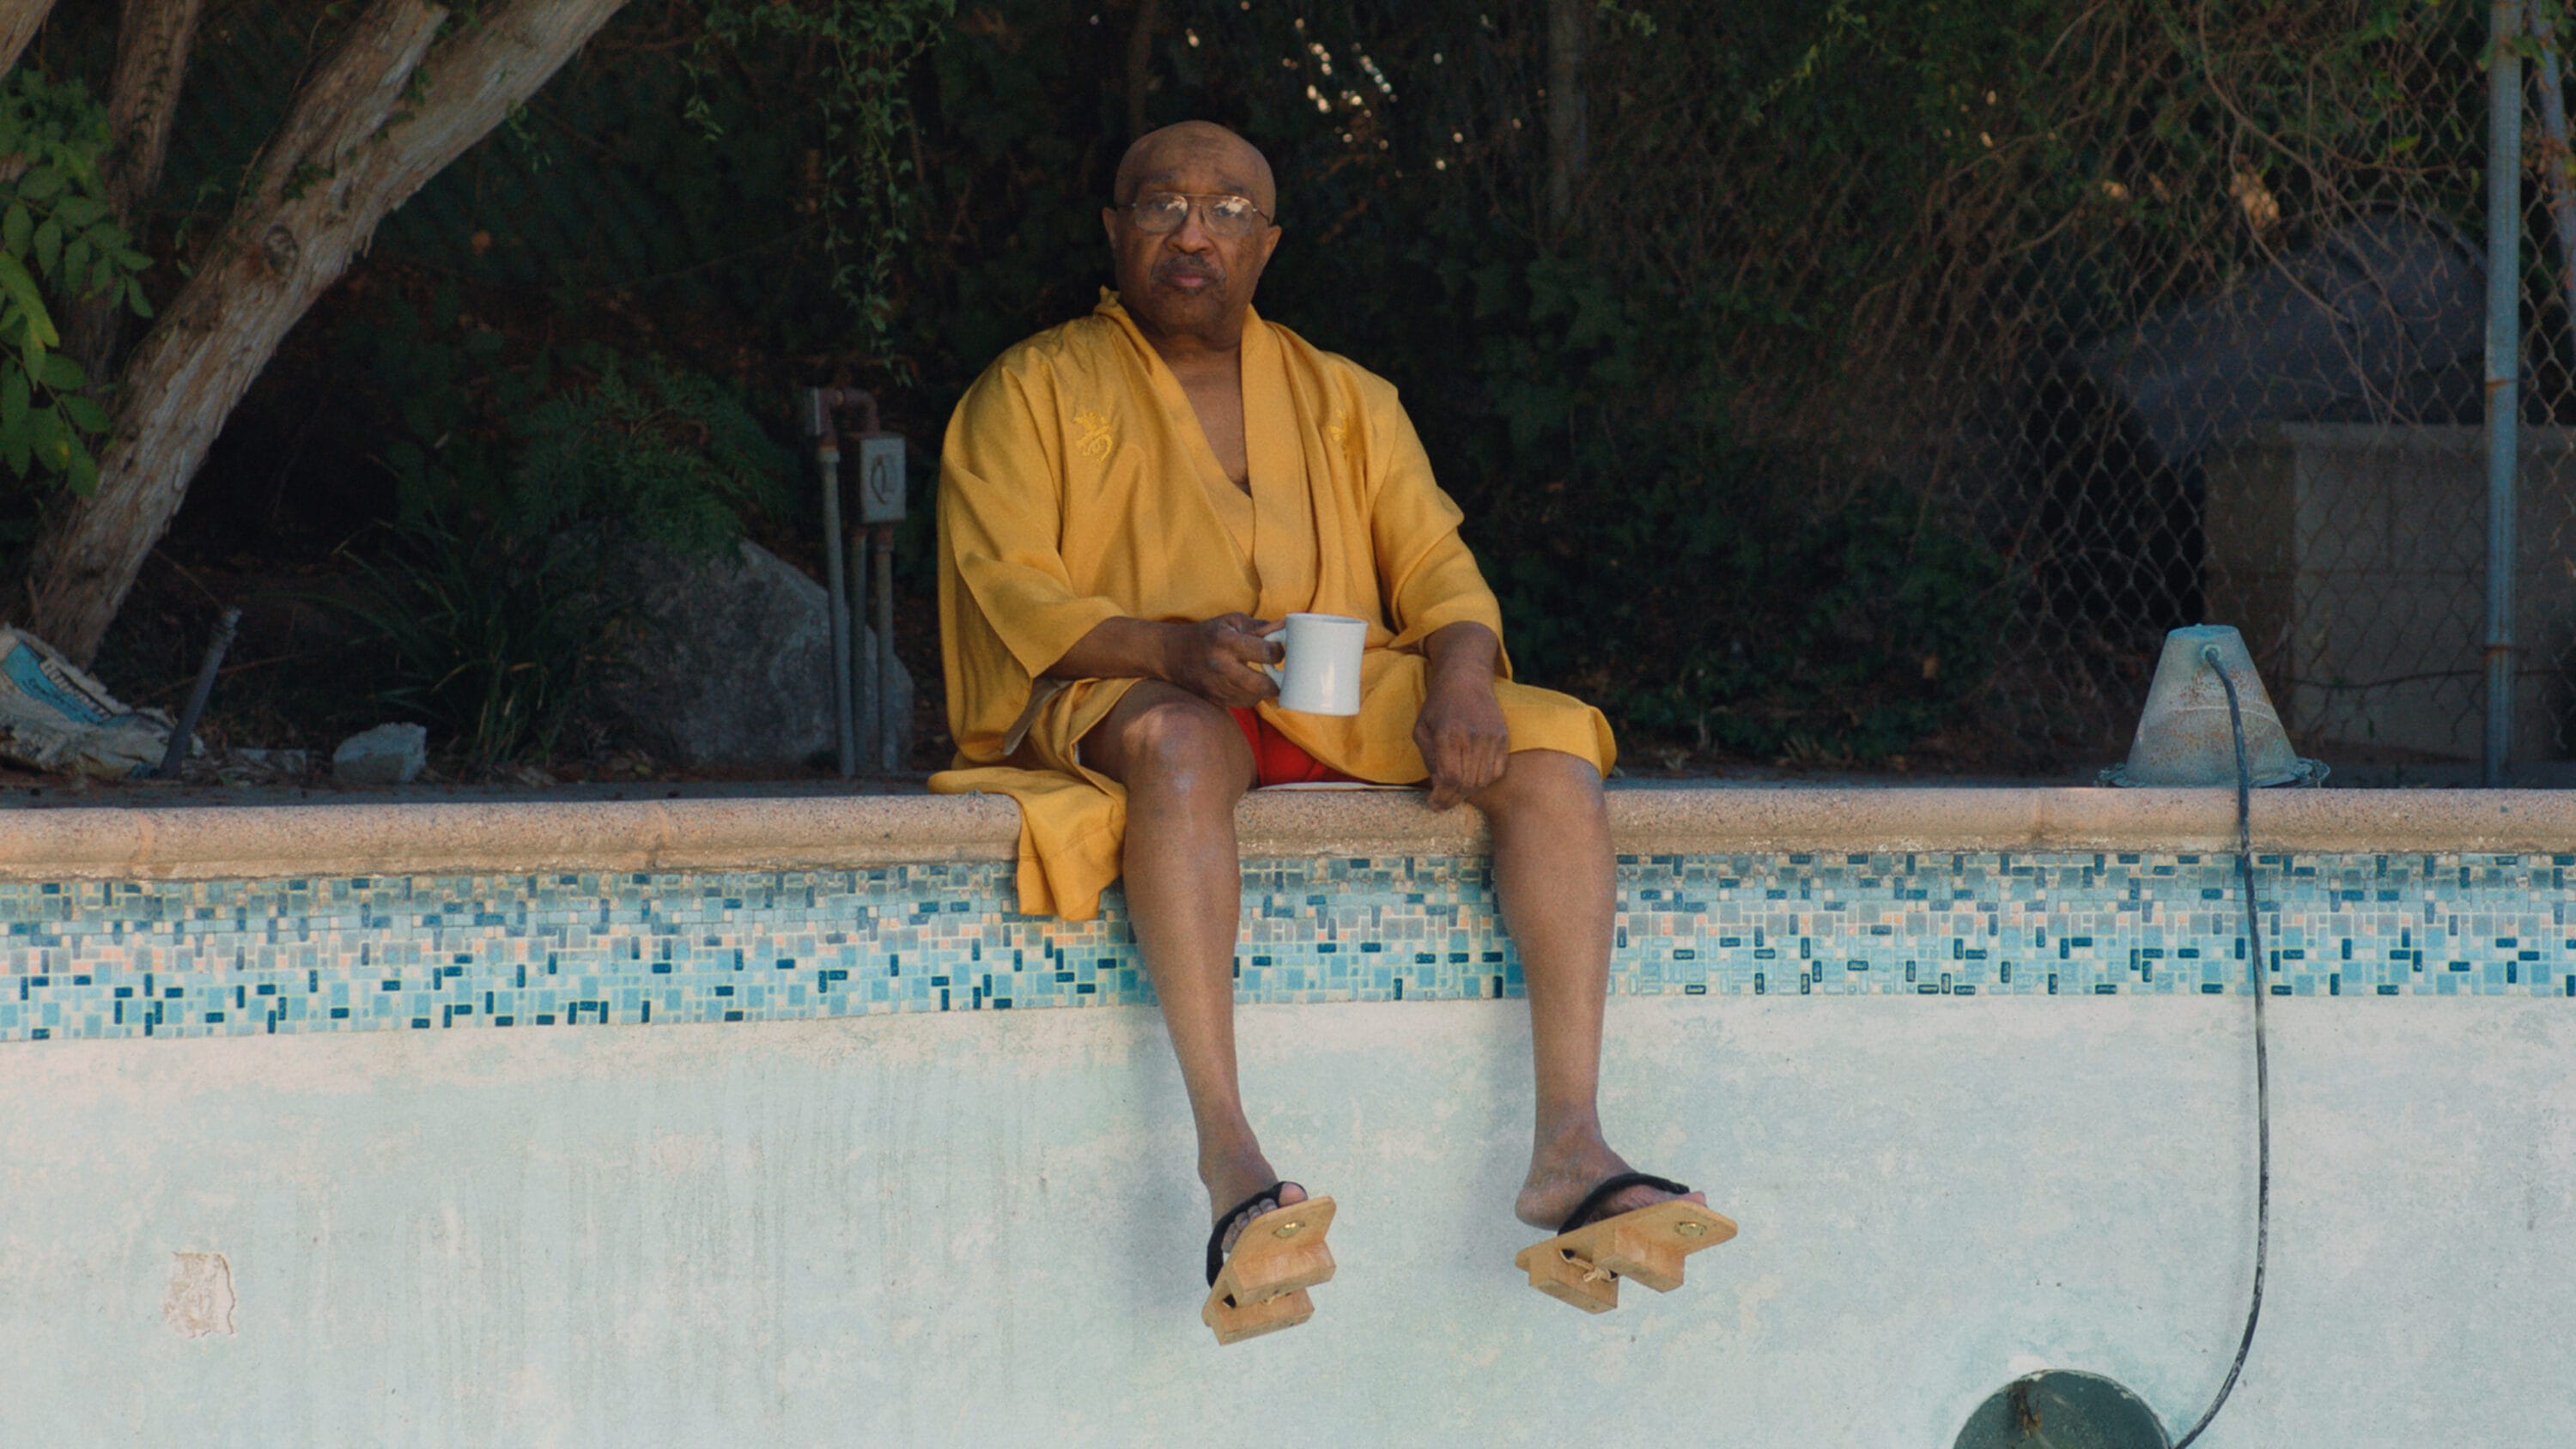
[{"x": 2353, "y": 558}]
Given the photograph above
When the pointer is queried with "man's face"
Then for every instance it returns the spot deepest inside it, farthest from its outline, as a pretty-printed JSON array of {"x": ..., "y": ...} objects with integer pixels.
[{"x": 1189, "y": 281}]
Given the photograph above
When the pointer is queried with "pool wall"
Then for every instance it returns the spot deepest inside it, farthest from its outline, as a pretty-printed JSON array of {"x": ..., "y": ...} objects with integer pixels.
[{"x": 853, "y": 1217}]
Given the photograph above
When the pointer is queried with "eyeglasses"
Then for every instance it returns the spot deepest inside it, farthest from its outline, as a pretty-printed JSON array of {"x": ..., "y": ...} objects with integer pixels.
[{"x": 1224, "y": 215}]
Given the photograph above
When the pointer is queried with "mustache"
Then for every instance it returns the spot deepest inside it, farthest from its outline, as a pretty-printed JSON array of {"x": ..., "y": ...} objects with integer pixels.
[{"x": 1186, "y": 267}]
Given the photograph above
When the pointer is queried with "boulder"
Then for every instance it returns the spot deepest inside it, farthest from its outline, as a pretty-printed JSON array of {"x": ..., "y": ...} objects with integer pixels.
[
  {"x": 728, "y": 661},
  {"x": 389, "y": 754}
]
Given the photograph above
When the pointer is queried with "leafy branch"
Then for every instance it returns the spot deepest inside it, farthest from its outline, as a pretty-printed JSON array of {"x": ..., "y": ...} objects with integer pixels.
[
  {"x": 59, "y": 240},
  {"x": 865, "y": 185}
]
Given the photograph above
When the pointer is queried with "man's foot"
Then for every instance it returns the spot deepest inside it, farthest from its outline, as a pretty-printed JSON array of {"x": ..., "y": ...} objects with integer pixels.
[
  {"x": 1262, "y": 1256},
  {"x": 1231, "y": 1219},
  {"x": 1235, "y": 1179},
  {"x": 1599, "y": 1243},
  {"x": 1560, "y": 1178}
]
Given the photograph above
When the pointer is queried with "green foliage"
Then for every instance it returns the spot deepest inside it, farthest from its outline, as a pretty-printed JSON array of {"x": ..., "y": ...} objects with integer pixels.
[
  {"x": 740, "y": 169},
  {"x": 58, "y": 240},
  {"x": 1685, "y": 581},
  {"x": 865, "y": 193},
  {"x": 1703, "y": 610},
  {"x": 1893, "y": 166},
  {"x": 541, "y": 439},
  {"x": 483, "y": 620},
  {"x": 666, "y": 453},
  {"x": 488, "y": 638}
]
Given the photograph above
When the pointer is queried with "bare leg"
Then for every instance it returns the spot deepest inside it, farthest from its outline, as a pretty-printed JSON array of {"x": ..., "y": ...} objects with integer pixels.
[
  {"x": 1556, "y": 877},
  {"x": 1185, "y": 764}
]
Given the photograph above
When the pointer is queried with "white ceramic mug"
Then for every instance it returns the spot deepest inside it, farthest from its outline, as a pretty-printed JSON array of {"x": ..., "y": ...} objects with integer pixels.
[{"x": 1321, "y": 674}]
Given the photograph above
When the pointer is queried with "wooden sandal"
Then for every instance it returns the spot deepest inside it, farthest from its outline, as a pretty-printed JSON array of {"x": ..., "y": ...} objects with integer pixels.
[
  {"x": 1584, "y": 1262},
  {"x": 1279, "y": 1254}
]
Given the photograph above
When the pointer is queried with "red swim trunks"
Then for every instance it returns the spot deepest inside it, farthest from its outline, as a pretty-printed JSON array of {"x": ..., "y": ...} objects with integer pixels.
[{"x": 1277, "y": 759}]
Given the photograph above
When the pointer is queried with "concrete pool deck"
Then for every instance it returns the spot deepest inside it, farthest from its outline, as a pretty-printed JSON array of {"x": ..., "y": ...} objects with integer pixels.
[{"x": 64, "y": 841}]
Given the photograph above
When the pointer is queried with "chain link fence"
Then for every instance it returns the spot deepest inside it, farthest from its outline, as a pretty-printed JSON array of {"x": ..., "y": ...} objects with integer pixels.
[
  {"x": 2176, "y": 307},
  {"x": 2191, "y": 326}
]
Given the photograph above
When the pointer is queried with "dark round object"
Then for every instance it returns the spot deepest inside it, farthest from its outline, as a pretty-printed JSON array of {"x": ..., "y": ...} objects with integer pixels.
[{"x": 2062, "y": 1409}]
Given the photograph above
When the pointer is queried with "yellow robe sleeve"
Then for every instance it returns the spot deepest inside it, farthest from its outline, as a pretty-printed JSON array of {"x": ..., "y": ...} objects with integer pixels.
[
  {"x": 1008, "y": 606},
  {"x": 1425, "y": 572}
]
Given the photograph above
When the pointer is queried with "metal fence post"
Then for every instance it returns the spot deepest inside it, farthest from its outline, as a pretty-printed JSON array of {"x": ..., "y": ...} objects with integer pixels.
[{"x": 2504, "y": 370}]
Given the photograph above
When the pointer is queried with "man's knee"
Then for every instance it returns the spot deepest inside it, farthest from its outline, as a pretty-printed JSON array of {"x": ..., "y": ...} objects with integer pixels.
[
  {"x": 1181, "y": 742},
  {"x": 1546, "y": 780}
]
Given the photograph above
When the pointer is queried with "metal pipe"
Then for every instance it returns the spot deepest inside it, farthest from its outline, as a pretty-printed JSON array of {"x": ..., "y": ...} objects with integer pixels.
[
  {"x": 207, "y": 669},
  {"x": 863, "y": 658},
  {"x": 2504, "y": 370},
  {"x": 837, "y": 398},
  {"x": 877, "y": 735},
  {"x": 827, "y": 459},
  {"x": 862, "y": 672},
  {"x": 888, "y": 739}
]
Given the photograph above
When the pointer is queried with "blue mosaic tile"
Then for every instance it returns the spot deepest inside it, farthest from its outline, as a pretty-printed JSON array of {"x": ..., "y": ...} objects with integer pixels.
[{"x": 232, "y": 958}]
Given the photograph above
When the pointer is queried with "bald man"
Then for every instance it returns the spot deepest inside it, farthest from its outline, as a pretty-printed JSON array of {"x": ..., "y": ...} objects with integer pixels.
[{"x": 1129, "y": 504}]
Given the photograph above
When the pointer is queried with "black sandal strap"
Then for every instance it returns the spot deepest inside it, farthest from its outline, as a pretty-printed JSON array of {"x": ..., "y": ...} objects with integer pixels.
[
  {"x": 1608, "y": 1188},
  {"x": 1216, "y": 1235}
]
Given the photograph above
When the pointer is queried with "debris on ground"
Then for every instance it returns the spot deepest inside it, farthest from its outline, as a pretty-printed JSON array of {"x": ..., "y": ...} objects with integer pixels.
[{"x": 55, "y": 717}]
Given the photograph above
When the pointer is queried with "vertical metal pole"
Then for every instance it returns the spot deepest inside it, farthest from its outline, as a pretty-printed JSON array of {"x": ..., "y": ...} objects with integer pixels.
[
  {"x": 2504, "y": 370},
  {"x": 827, "y": 452},
  {"x": 889, "y": 739},
  {"x": 207, "y": 671},
  {"x": 862, "y": 672}
]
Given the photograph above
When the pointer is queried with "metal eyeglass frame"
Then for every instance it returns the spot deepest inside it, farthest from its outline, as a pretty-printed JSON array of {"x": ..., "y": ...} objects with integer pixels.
[{"x": 1206, "y": 213}]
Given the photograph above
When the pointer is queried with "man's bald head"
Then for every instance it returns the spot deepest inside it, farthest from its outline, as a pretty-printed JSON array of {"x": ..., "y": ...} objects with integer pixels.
[
  {"x": 1188, "y": 285},
  {"x": 1201, "y": 146}
]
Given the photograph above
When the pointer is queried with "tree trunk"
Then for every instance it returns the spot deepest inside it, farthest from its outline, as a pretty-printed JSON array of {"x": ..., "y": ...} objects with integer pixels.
[
  {"x": 152, "y": 41},
  {"x": 1140, "y": 65},
  {"x": 384, "y": 113},
  {"x": 19, "y": 22},
  {"x": 1569, "y": 28}
]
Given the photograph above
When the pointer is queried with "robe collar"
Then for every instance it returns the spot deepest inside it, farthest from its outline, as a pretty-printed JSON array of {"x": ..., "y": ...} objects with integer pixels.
[{"x": 1273, "y": 528}]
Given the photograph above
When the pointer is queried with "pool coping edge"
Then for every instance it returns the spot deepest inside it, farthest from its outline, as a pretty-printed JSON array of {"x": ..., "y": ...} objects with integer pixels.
[{"x": 855, "y": 831}]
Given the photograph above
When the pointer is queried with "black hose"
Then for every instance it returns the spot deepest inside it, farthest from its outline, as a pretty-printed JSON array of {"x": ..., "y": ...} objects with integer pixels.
[{"x": 2262, "y": 1074}]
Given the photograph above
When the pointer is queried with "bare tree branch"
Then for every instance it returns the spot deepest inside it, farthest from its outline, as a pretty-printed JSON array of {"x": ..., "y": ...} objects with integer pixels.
[
  {"x": 381, "y": 116},
  {"x": 1140, "y": 65},
  {"x": 19, "y": 22},
  {"x": 1569, "y": 25},
  {"x": 152, "y": 42}
]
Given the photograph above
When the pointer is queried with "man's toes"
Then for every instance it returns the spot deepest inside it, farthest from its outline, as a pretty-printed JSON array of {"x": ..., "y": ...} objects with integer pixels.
[
  {"x": 1642, "y": 1196},
  {"x": 1289, "y": 1194}
]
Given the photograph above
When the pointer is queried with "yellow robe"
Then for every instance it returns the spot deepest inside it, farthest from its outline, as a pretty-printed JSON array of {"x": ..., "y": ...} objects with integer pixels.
[{"x": 1076, "y": 486}]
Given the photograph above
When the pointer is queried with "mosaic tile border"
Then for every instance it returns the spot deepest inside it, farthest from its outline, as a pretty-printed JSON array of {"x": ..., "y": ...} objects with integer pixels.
[{"x": 229, "y": 958}]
